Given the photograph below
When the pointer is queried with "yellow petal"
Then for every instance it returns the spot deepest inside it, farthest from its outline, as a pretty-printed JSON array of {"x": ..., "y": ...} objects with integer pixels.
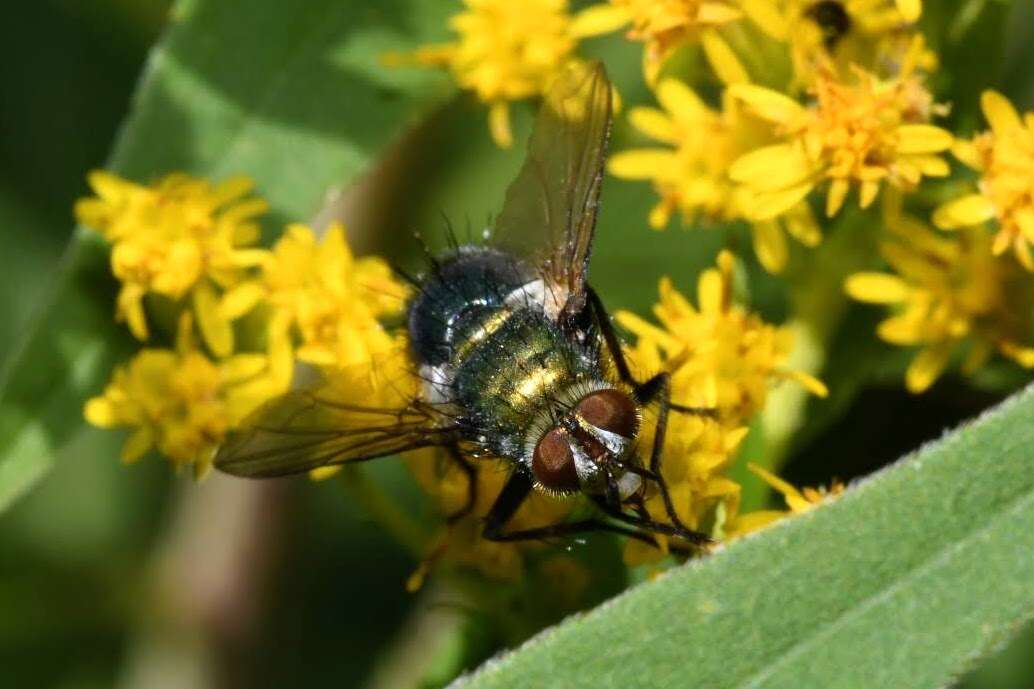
[
  {"x": 599, "y": 19},
  {"x": 1024, "y": 356},
  {"x": 769, "y": 104},
  {"x": 784, "y": 487},
  {"x": 877, "y": 288},
  {"x": 642, "y": 163},
  {"x": 772, "y": 168},
  {"x": 909, "y": 9},
  {"x": 902, "y": 330},
  {"x": 137, "y": 445},
  {"x": 927, "y": 367},
  {"x": 835, "y": 198},
  {"x": 867, "y": 193},
  {"x": 723, "y": 61},
  {"x": 964, "y": 212},
  {"x": 717, "y": 13},
  {"x": 770, "y": 245},
  {"x": 809, "y": 383},
  {"x": 1000, "y": 113},
  {"x": 801, "y": 225},
  {"x": 680, "y": 100},
  {"x": 968, "y": 154},
  {"x": 769, "y": 205},
  {"x": 653, "y": 123},
  {"x": 931, "y": 166},
  {"x": 923, "y": 138},
  {"x": 215, "y": 329},
  {"x": 499, "y": 124},
  {"x": 767, "y": 17},
  {"x": 241, "y": 299},
  {"x": 100, "y": 412}
]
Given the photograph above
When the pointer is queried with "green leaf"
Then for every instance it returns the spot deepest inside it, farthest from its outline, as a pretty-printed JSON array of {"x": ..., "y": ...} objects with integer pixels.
[
  {"x": 903, "y": 582},
  {"x": 292, "y": 94}
]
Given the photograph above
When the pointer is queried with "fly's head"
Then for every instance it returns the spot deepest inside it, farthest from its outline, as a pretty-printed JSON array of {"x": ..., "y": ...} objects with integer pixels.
[{"x": 587, "y": 447}]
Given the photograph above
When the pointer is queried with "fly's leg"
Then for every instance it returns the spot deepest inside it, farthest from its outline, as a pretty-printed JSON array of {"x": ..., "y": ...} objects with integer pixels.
[
  {"x": 453, "y": 451},
  {"x": 658, "y": 388},
  {"x": 610, "y": 337},
  {"x": 513, "y": 495}
]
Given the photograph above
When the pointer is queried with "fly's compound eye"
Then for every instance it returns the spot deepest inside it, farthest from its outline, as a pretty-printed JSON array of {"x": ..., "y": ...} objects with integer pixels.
[
  {"x": 610, "y": 410},
  {"x": 553, "y": 462}
]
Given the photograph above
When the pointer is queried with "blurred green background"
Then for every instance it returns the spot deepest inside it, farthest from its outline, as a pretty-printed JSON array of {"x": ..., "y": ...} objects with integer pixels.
[{"x": 134, "y": 577}]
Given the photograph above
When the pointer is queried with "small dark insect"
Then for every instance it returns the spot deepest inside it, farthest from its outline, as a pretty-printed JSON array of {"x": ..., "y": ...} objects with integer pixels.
[
  {"x": 832, "y": 19},
  {"x": 518, "y": 357}
]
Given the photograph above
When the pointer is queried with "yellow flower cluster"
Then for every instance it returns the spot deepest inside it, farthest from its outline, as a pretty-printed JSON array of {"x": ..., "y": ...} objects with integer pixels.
[
  {"x": 862, "y": 132},
  {"x": 191, "y": 244},
  {"x": 181, "y": 239},
  {"x": 948, "y": 291},
  {"x": 719, "y": 356},
  {"x": 507, "y": 51},
  {"x": 1004, "y": 157},
  {"x": 692, "y": 177}
]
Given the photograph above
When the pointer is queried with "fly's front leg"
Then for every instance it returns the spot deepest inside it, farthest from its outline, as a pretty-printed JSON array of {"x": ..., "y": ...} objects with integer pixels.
[
  {"x": 517, "y": 489},
  {"x": 658, "y": 389}
]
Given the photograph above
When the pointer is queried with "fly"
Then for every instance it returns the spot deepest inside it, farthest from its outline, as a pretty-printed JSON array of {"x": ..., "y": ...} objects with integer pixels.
[{"x": 517, "y": 356}]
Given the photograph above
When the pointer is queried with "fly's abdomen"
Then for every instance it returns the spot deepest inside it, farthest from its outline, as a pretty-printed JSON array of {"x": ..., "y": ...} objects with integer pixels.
[{"x": 462, "y": 300}]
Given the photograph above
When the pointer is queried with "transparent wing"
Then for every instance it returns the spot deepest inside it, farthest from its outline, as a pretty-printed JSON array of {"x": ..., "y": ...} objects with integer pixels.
[
  {"x": 345, "y": 418},
  {"x": 549, "y": 214}
]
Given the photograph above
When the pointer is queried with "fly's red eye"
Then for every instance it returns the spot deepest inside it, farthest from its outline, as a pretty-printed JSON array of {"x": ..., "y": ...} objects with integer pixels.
[
  {"x": 610, "y": 410},
  {"x": 553, "y": 462}
]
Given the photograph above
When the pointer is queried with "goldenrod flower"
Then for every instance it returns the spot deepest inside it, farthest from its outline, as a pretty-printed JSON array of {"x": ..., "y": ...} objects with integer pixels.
[
  {"x": 798, "y": 502},
  {"x": 665, "y": 25},
  {"x": 507, "y": 51},
  {"x": 876, "y": 34},
  {"x": 692, "y": 177},
  {"x": 180, "y": 237},
  {"x": 1004, "y": 156},
  {"x": 863, "y": 132},
  {"x": 320, "y": 295},
  {"x": 719, "y": 356},
  {"x": 181, "y": 402},
  {"x": 948, "y": 291}
]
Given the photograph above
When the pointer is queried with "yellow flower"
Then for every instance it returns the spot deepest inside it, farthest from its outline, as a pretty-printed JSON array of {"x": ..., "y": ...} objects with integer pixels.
[
  {"x": 948, "y": 291},
  {"x": 180, "y": 401},
  {"x": 1005, "y": 193},
  {"x": 332, "y": 302},
  {"x": 665, "y": 25},
  {"x": 692, "y": 176},
  {"x": 863, "y": 132},
  {"x": 719, "y": 356},
  {"x": 180, "y": 236},
  {"x": 507, "y": 51},
  {"x": 877, "y": 34},
  {"x": 798, "y": 502}
]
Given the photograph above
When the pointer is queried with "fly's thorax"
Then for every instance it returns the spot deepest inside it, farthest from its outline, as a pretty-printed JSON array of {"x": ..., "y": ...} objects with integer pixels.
[
  {"x": 509, "y": 377},
  {"x": 583, "y": 441}
]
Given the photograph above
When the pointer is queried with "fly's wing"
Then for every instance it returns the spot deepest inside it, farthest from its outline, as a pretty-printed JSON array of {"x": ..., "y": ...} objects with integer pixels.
[
  {"x": 346, "y": 418},
  {"x": 549, "y": 214}
]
